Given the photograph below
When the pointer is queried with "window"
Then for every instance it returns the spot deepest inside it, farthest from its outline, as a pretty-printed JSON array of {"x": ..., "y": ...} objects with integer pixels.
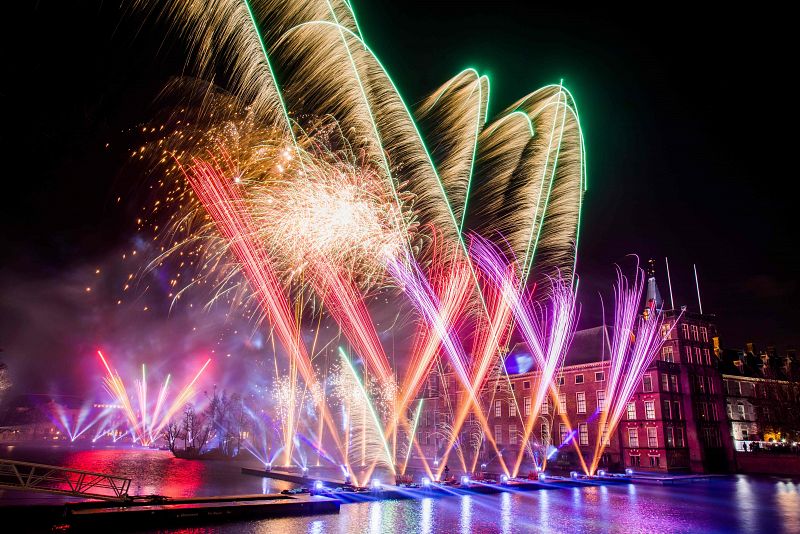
[
  {"x": 707, "y": 356},
  {"x": 694, "y": 333},
  {"x": 647, "y": 383},
  {"x": 730, "y": 411},
  {"x": 512, "y": 408},
  {"x": 546, "y": 406},
  {"x": 526, "y": 384},
  {"x": 674, "y": 380},
  {"x": 666, "y": 354},
  {"x": 580, "y": 397},
  {"x": 545, "y": 433},
  {"x": 512, "y": 434},
  {"x": 742, "y": 411},
  {"x": 498, "y": 408},
  {"x": 427, "y": 438},
  {"x": 698, "y": 359},
  {"x": 635, "y": 460},
  {"x": 601, "y": 400},
  {"x": 655, "y": 461},
  {"x": 710, "y": 385},
  {"x": 714, "y": 413},
  {"x": 652, "y": 437},
  {"x": 649, "y": 409},
  {"x": 676, "y": 412},
  {"x": 699, "y": 384},
  {"x": 527, "y": 406},
  {"x": 702, "y": 410},
  {"x": 669, "y": 437},
  {"x": 631, "y": 410},
  {"x": 560, "y": 380},
  {"x": 583, "y": 433},
  {"x": 679, "y": 437},
  {"x": 562, "y": 403},
  {"x": 562, "y": 429},
  {"x": 704, "y": 333},
  {"x": 685, "y": 330},
  {"x": 688, "y": 350},
  {"x": 579, "y": 379},
  {"x": 711, "y": 437},
  {"x": 666, "y": 413},
  {"x": 665, "y": 382},
  {"x": 665, "y": 330},
  {"x": 633, "y": 437},
  {"x": 498, "y": 434},
  {"x": 599, "y": 376}
]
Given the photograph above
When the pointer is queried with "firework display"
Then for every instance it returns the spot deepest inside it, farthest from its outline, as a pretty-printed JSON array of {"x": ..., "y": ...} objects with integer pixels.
[{"x": 304, "y": 193}]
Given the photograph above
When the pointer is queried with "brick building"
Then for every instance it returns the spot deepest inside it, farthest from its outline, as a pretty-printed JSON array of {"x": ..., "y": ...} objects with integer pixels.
[{"x": 675, "y": 421}]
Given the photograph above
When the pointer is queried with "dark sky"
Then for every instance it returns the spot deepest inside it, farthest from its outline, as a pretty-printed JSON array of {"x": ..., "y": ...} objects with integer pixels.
[{"x": 688, "y": 119}]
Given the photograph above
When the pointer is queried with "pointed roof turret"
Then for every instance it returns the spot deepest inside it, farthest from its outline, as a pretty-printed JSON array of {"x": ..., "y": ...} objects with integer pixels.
[{"x": 653, "y": 300}]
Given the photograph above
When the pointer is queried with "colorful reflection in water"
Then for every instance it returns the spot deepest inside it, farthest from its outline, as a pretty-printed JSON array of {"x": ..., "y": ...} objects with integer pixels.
[{"x": 729, "y": 504}]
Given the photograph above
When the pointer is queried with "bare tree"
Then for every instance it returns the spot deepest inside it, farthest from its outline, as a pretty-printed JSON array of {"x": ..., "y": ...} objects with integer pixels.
[{"x": 172, "y": 433}]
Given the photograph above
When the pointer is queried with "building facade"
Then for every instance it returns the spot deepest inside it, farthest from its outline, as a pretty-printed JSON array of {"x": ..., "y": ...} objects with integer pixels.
[{"x": 676, "y": 421}]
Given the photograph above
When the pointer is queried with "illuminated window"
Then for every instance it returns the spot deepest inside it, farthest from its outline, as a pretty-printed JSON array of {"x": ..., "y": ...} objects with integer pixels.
[
  {"x": 498, "y": 408},
  {"x": 652, "y": 437},
  {"x": 666, "y": 354},
  {"x": 545, "y": 433},
  {"x": 546, "y": 406},
  {"x": 583, "y": 434},
  {"x": 562, "y": 403},
  {"x": 580, "y": 398},
  {"x": 647, "y": 383},
  {"x": 742, "y": 412},
  {"x": 664, "y": 382},
  {"x": 649, "y": 409},
  {"x": 669, "y": 437},
  {"x": 665, "y": 330},
  {"x": 527, "y": 406},
  {"x": 601, "y": 400},
  {"x": 498, "y": 434},
  {"x": 704, "y": 333},
  {"x": 688, "y": 350},
  {"x": 697, "y": 356},
  {"x": 512, "y": 408},
  {"x": 694, "y": 333},
  {"x": 512, "y": 434},
  {"x": 707, "y": 355},
  {"x": 631, "y": 410},
  {"x": 579, "y": 379},
  {"x": 633, "y": 437},
  {"x": 685, "y": 330},
  {"x": 562, "y": 429}
]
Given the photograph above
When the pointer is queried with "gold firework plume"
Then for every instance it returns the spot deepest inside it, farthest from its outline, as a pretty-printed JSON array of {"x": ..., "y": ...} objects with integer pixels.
[{"x": 516, "y": 179}]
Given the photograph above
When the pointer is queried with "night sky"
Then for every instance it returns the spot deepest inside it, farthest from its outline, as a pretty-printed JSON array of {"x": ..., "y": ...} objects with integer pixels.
[{"x": 687, "y": 116}]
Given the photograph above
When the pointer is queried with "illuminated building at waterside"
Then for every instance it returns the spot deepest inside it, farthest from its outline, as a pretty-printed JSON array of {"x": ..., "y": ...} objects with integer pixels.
[{"x": 675, "y": 421}]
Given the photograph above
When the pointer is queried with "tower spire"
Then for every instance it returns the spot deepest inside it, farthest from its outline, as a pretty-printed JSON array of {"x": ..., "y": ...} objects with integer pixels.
[{"x": 653, "y": 299}]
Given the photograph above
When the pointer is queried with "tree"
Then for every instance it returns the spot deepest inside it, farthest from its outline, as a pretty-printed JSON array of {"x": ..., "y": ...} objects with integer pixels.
[{"x": 172, "y": 433}]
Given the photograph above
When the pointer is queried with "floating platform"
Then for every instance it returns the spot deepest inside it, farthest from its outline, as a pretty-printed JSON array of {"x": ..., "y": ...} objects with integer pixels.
[
  {"x": 349, "y": 494},
  {"x": 164, "y": 512}
]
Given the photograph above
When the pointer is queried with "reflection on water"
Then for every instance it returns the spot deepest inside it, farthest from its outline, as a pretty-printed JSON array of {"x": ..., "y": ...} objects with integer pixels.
[{"x": 730, "y": 504}]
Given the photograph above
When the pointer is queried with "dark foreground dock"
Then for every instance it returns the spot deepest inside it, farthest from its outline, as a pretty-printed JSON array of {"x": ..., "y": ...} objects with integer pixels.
[{"x": 169, "y": 512}]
